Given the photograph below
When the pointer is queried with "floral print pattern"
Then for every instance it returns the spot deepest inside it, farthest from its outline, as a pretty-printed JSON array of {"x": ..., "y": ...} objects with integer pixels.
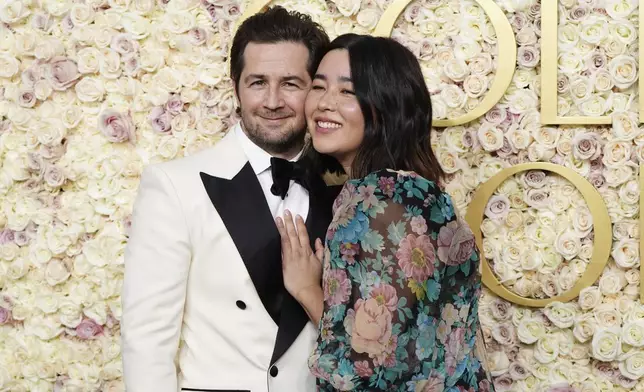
[{"x": 401, "y": 289}]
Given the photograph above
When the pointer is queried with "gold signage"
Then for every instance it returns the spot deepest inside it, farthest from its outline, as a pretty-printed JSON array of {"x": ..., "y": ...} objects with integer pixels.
[{"x": 506, "y": 65}]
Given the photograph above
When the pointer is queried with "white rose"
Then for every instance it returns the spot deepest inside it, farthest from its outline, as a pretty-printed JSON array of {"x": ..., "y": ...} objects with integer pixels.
[
  {"x": 498, "y": 363},
  {"x": 12, "y": 11},
  {"x": 90, "y": 89},
  {"x": 633, "y": 333},
  {"x": 453, "y": 96},
  {"x": 490, "y": 137},
  {"x": 625, "y": 126},
  {"x": 475, "y": 85},
  {"x": 530, "y": 330},
  {"x": 89, "y": 60},
  {"x": 136, "y": 25},
  {"x": 626, "y": 253},
  {"x": 9, "y": 66},
  {"x": 585, "y": 327},
  {"x": 168, "y": 148},
  {"x": 547, "y": 349},
  {"x": 632, "y": 365},
  {"x": 81, "y": 14},
  {"x": 568, "y": 245},
  {"x": 110, "y": 67},
  {"x": 606, "y": 344},
  {"x": 589, "y": 298},
  {"x": 368, "y": 18},
  {"x": 561, "y": 314},
  {"x": 611, "y": 283},
  {"x": 616, "y": 153},
  {"x": 607, "y": 316},
  {"x": 56, "y": 272},
  {"x": 623, "y": 69},
  {"x": 456, "y": 69}
]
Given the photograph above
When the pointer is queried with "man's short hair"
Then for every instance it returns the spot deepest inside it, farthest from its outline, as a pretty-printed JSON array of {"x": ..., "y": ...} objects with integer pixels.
[{"x": 276, "y": 25}]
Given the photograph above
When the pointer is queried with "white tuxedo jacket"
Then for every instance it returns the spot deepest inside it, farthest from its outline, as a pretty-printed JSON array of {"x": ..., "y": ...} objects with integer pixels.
[{"x": 203, "y": 282}]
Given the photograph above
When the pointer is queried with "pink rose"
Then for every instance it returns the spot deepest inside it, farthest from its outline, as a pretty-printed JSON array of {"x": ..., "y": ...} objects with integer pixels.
[
  {"x": 416, "y": 257},
  {"x": 371, "y": 331},
  {"x": 455, "y": 243},
  {"x": 337, "y": 287},
  {"x": 174, "y": 105},
  {"x": 62, "y": 73},
  {"x": 160, "y": 120},
  {"x": 497, "y": 207},
  {"x": 88, "y": 329},
  {"x": 124, "y": 44},
  {"x": 6, "y": 236},
  {"x": 117, "y": 127},
  {"x": 385, "y": 295}
]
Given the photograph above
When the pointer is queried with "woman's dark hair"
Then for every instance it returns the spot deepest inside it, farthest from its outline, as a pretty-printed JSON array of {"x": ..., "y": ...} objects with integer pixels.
[
  {"x": 396, "y": 105},
  {"x": 275, "y": 25}
]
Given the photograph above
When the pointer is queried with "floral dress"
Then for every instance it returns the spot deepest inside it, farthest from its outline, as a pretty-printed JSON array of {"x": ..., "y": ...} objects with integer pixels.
[{"x": 401, "y": 288}]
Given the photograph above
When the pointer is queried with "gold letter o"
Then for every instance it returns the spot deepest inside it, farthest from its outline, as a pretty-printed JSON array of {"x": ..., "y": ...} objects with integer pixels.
[
  {"x": 507, "y": 56},
  {"x": 601, "y": 225}
]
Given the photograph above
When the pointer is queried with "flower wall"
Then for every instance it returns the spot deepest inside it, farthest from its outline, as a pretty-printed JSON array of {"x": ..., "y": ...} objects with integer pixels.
[{"x": 91, "y": 91}]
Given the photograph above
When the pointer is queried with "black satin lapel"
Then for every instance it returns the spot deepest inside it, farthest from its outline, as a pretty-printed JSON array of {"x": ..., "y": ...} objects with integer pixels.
[
  {"x": 241, "y": 204},
  {"x": 293, "y": 317}
]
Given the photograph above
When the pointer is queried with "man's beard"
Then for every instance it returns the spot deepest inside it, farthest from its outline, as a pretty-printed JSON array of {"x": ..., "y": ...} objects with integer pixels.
[{"x": 287, "y": 139}]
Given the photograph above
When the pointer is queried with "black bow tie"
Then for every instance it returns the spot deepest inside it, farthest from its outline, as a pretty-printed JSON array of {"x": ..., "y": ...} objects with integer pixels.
[{"x": 283, "y": 172}]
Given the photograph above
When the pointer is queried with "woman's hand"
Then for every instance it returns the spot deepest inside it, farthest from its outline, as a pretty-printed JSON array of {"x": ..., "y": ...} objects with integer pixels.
[{"x": 301, "y": 267}]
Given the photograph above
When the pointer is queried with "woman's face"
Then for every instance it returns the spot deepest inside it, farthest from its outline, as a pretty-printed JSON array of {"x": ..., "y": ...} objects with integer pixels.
[{"x": 333, "y": 115}]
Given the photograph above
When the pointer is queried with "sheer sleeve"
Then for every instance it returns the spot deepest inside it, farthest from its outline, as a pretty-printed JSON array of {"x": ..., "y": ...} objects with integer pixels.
[{"x": 400, "y": 286}]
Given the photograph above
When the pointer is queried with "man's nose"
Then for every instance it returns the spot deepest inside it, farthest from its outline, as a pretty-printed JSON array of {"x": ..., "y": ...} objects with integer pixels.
[{"x": 274, "y": 98}]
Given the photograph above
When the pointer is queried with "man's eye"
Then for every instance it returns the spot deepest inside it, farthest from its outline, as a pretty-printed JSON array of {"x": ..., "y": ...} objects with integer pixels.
[{"x": 257, "y": 83}]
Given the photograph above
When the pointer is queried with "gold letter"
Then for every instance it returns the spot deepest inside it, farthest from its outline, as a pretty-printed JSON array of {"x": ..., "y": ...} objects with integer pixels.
[
  {"x": 601, "y": 222},
  {"x": 507, "y": 55},
  {"x": 549, "y": 67}
]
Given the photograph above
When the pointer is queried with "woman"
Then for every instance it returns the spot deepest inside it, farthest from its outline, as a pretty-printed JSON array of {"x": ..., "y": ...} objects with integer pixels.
[{"x": 397, "y": 308}]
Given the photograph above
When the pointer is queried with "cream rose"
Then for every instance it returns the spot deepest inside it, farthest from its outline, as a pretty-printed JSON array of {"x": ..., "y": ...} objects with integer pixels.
[
  {"x": 589, "y": 298},
  {"x": 633, "y": 333},
  {"x": 585, "y": 327},
  {"x": 632, "y": 365},
  {"x": 623, "y": 69},
  {"x": 561, "y": 314},
  {"x": 606, "y": 344},
  {"x": 626, "y": 253}
]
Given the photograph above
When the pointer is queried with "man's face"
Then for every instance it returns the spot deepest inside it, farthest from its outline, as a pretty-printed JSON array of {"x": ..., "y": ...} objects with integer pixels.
[{"x": 272, "y": 90}]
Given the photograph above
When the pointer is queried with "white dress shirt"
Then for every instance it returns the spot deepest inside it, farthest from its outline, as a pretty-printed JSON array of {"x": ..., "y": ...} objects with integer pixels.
[{"x": 297, "y": 199}]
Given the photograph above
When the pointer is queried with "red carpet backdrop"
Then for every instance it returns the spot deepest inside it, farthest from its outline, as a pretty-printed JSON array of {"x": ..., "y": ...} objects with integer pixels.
[{"x": 91, "y": 91}]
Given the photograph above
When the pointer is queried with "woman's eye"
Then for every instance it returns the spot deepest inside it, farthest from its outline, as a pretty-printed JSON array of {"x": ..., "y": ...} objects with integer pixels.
[
  {"x": 345, "y": 91},
  {"x": 316, "y": 88}
]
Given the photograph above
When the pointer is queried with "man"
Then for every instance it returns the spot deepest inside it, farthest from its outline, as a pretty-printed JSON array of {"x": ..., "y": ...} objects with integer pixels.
[{"x": 203, "y": 263}]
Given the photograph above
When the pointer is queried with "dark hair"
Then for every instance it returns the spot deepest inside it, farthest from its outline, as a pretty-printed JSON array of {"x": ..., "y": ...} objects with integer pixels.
[
  {"x": 275, "y": 25},
  {"x": 396, "y": 106}
]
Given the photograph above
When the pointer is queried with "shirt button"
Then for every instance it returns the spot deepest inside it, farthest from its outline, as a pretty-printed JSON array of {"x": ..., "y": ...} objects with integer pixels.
[
  {"x": 273, "y": 371},
  {"x": 241, "y": 305}
]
